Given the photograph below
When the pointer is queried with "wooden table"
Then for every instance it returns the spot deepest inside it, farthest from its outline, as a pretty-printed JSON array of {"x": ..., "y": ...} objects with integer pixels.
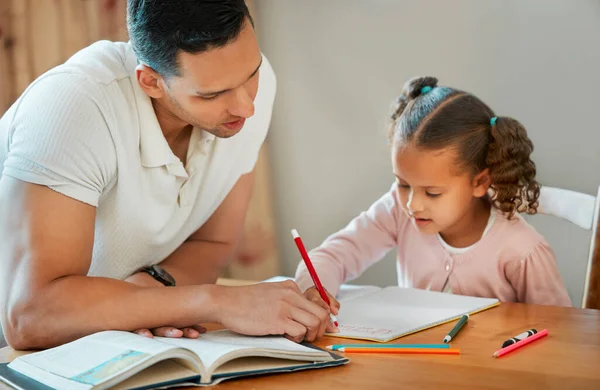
[{"x": 569, "y": 358}]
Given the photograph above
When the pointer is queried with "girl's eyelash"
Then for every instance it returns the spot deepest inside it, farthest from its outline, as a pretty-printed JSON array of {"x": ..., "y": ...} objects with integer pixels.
[{"x": 406, "y": 186}]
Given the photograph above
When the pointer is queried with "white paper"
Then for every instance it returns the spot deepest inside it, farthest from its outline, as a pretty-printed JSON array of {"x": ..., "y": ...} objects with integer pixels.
[
  {"x": 277, "y": 279},
  {"x": 350, "y": 291},
  {"x": 347, "y": 291}
]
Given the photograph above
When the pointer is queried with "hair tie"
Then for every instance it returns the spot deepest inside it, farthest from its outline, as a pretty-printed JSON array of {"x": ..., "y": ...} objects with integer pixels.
[
  {"x": 493, "y": 121},
  {"x": 425, "y": 89}
]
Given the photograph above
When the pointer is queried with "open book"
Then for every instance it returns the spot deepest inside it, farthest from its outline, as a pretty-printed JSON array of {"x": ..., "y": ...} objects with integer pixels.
[
  {"x": 124, "y": 360},
  {"x": 383, "y": 314}
]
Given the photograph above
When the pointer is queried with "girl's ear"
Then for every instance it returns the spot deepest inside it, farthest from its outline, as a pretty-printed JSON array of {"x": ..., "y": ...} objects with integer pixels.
[{"x": 481, "y": 183}]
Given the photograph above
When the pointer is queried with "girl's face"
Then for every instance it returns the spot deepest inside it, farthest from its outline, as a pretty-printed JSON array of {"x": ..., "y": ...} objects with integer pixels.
[{"x": 437, "y": 194}]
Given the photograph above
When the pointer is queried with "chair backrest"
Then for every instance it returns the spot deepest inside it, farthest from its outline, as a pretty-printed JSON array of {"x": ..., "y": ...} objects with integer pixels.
[
  {"x": 591, "y": 290},
  {"x": 582, "y": 210},
  {"x": 573, "y": 206}
]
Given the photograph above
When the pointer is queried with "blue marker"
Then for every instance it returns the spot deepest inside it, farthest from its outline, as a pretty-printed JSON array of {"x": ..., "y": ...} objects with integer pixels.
[{"x": 336, "y": 347}]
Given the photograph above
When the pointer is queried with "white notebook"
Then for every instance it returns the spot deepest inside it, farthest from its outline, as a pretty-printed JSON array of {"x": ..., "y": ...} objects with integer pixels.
[{"x": 384, "y": 314}]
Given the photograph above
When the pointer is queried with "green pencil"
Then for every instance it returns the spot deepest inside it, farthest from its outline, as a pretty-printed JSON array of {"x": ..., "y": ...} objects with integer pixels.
[{"x": 457, "y": 327}]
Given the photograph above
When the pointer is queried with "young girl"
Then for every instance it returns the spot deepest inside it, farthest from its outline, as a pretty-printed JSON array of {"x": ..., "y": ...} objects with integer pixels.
[{"x": 462, "y": 174}]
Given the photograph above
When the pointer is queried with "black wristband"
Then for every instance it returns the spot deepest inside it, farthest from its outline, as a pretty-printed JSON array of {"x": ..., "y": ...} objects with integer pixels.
[{"x": 160, "y": 274}]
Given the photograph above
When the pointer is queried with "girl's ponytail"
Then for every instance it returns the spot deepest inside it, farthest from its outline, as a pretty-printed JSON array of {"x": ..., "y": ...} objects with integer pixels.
[{"x": 511, "y": 169}]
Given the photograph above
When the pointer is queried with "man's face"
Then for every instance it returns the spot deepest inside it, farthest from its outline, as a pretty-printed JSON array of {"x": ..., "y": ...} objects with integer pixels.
[{"x": 215, "y": 90}]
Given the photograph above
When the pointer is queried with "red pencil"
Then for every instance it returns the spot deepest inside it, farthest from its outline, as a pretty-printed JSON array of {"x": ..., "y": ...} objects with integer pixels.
[
  {"x": 521, "y": 343},
  {"x": 313, "y": 273}
]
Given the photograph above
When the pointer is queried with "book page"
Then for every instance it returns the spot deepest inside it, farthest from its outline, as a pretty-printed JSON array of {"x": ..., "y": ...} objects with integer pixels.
[
  {"x": 94, "y": 359},
  {"x": 162, "y": 372},
  {"x": 255, "y": 364},
  {"x": 395, "y": 311},
  {"x": 213, "y": 345}
]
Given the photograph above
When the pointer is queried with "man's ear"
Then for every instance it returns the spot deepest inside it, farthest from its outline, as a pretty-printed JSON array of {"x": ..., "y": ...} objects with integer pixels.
[
  {"x": 150, "y": 81},
  {"x": 481, "y": 183}
]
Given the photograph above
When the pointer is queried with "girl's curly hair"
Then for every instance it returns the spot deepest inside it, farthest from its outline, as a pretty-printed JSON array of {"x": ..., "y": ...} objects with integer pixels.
[{"x": 435, "y": 117}]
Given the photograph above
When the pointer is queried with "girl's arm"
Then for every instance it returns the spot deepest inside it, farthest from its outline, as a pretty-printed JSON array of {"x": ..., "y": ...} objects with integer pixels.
[
  {"x": 536, "y": 279},
  {"x": 348, "y": 253}
]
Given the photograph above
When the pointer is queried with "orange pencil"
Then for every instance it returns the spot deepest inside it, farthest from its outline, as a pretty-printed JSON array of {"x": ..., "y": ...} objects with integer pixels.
[{"x": 404, "y": 351}]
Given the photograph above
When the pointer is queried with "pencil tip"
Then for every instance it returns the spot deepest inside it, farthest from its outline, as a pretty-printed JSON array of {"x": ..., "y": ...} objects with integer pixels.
[{"x": 329, "y": 347}]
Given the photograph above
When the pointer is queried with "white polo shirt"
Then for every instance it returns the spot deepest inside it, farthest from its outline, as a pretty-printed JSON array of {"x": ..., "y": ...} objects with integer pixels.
[{"x": 86, "y": 130}]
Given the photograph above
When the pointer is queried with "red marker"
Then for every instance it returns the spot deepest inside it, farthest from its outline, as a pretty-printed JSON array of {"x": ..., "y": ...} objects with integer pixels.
[
  {"x": 313, "y": 273},
  {"x": 519, "y": 344}
]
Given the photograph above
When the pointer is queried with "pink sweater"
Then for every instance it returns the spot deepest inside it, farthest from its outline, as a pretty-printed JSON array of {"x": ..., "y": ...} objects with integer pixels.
[{"x": 511, "y": 262}]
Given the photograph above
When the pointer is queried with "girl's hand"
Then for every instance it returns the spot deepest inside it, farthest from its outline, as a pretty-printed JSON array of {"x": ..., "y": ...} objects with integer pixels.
[{"x": 313, "y": 295}]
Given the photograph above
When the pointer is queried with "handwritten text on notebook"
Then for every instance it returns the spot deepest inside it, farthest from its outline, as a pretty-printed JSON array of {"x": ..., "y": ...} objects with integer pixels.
[{"x": 365, "y": 330}]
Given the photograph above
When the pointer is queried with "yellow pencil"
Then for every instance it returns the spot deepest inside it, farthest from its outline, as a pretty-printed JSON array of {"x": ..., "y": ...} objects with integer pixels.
[{"x": 404, "y": 351}]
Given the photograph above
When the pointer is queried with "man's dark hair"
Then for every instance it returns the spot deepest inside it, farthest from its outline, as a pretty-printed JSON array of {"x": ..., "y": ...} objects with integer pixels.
[{"x": 160, "y": 29}]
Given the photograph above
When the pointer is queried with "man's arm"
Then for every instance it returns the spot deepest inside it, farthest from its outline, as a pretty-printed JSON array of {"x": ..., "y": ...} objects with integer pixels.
[
  {"x": 204, "y": 255},
  {"x": 46, "y": 299}
]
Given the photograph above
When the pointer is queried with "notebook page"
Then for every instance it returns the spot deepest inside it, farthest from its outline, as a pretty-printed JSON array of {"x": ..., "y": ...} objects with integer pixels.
[
  {"x": 213, "y": 345},
  {"x": 277, "y": 279},
  {"x": 395, "y": 311},
  {"x": 352, "y": 291},
  {"x": 91, "y": 360},
  {"x": 347, "y": 291}
]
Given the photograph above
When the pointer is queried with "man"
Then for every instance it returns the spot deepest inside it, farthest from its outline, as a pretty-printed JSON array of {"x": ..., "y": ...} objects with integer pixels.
[{"x": 129, "y": 168}]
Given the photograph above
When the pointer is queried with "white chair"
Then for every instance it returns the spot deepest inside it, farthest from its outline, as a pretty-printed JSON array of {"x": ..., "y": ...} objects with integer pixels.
[{"x": 582, "y": 210}]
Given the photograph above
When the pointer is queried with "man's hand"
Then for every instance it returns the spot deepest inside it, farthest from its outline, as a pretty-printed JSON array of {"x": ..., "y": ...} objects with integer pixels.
[
  {"x": 313, "y": 295},
  {"x": 192, "y": 332},
  {"x": 271, "y": 309}
]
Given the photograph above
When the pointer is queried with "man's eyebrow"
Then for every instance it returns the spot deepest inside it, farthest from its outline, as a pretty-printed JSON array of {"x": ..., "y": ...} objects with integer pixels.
[{"x": 229, "y": 89}]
